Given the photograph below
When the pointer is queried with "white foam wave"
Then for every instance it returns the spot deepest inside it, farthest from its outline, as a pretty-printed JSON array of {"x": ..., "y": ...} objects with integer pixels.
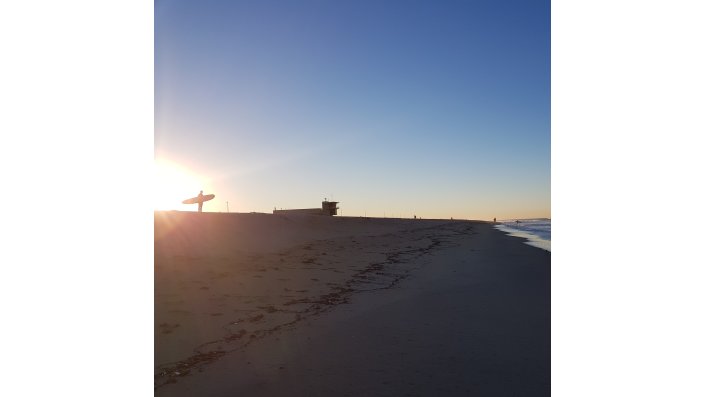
[{"x": 536, "y": 231}]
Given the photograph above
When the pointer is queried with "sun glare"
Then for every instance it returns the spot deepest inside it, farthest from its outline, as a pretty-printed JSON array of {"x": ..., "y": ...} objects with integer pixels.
[{"x": 172, "y": 184}]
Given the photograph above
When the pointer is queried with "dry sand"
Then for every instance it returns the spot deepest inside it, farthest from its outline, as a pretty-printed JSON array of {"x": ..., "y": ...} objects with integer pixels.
[{"x": 274, "y": 305}]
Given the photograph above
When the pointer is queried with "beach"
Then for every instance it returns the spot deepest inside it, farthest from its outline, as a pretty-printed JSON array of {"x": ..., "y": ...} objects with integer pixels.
[{"x": 275, "y": 305}]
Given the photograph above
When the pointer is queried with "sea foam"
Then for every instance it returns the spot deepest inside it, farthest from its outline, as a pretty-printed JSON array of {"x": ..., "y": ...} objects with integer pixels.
[{"x": 536, "y": 231}]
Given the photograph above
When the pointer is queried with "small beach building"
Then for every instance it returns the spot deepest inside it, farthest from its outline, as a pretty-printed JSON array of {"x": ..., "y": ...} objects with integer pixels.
[{"x": 330, "y": 208}]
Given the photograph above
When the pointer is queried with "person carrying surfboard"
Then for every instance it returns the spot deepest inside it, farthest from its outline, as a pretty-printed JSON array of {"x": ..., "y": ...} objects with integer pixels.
[{"x": 200, "y": 199}]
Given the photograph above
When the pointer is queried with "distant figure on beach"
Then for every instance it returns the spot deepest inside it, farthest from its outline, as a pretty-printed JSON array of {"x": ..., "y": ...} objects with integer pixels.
[
  {"x": 200, "y": 201},
  {"x": 494, "y": 220},
  {"x": 518, "y": 221}
]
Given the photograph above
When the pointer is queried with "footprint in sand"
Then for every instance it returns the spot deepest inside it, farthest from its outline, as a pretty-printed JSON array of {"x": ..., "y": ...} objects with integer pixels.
[
  {"x": 168, "y": 328},
  {"x": 268, "y": 309},
  {"x": 256, "y": 318}
]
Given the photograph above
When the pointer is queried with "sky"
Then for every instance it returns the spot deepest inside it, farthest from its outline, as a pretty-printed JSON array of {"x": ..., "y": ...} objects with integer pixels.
[{"x": 436, "y": 109}]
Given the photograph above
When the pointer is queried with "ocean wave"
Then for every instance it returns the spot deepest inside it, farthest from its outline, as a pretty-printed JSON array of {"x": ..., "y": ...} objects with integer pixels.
[{"x": 536, "y": 230}]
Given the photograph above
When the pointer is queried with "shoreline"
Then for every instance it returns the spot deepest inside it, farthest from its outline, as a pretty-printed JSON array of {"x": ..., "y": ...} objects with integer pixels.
[
  {"x": 531, "y": 239},
  {"x": 214, "y": 317}
]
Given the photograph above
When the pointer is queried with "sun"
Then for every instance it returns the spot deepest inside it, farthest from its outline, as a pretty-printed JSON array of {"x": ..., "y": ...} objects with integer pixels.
[{"x": 172, "y": 184}]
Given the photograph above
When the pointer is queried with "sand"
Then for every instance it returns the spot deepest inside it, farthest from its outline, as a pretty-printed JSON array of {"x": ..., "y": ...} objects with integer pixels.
[{"x": 274, "y": 305}]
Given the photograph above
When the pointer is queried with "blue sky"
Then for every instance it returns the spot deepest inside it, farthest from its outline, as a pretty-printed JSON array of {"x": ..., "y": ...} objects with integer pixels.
[{"x": 396, "y": 108}]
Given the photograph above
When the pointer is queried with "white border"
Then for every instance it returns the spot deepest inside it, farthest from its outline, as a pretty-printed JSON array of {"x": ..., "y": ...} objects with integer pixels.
[
  {"x": 627, "y": 268},
  {"x": 76, "y": 93}
]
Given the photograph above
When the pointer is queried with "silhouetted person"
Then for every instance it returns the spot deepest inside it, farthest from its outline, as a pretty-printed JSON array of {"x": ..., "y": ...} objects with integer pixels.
[
  {"x": 494, "y": 220},
  {"x": 200, "y": 201}
]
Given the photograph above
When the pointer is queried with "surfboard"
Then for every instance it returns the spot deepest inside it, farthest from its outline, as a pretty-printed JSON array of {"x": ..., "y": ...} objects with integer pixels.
[{"x": 202, "y": 199}]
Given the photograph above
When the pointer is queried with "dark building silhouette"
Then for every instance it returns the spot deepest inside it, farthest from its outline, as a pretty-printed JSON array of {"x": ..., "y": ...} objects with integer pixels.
[{"x": 328, "y": 208}]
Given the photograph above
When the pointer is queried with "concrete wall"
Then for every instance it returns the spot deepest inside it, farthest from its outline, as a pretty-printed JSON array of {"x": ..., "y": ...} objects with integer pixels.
[{"x": 305, "y": 211}]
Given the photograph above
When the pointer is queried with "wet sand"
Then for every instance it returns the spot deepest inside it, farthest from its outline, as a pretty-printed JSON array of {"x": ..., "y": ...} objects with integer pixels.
[{"x": 258, "y": 304}]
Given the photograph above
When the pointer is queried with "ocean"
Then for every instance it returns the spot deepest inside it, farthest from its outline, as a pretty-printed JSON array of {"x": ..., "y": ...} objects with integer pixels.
[{"x": 536, "y": 231}]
